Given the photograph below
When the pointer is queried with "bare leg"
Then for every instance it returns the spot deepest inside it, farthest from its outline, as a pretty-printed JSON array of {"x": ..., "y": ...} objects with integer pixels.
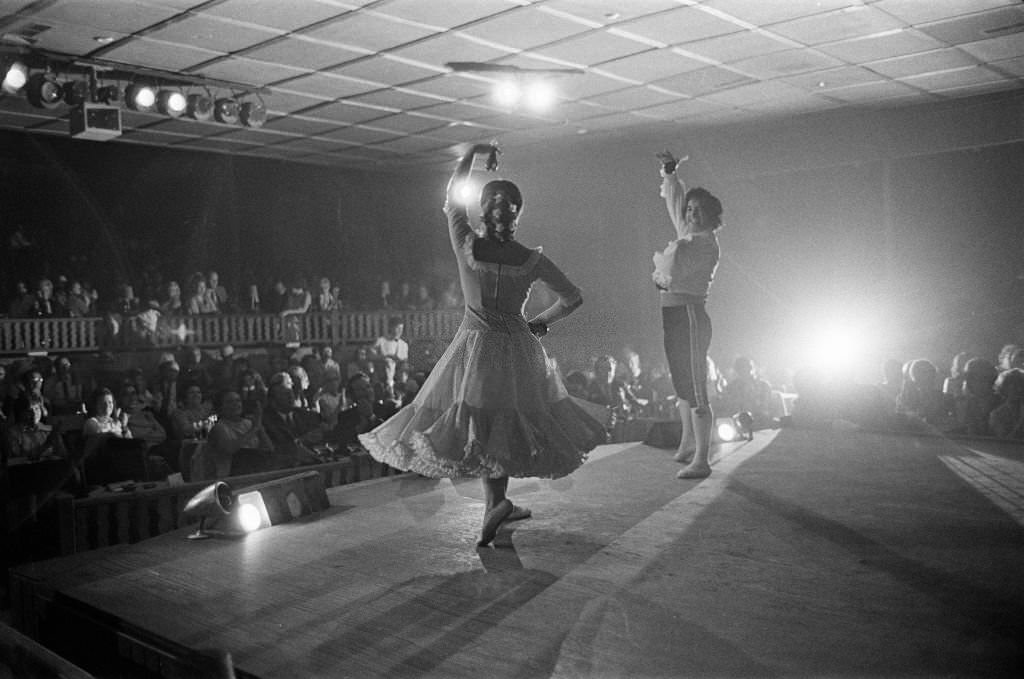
[
  {"x": 494, "y": 491},
  {"x": 687, "y": 442},
  {"x": 700, "y": 467},
  {"x": 497, "y": 508}
]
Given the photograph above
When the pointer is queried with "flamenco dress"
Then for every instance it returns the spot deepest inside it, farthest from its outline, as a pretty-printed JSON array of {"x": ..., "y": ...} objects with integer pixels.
[{"x": 493, "y": 405}]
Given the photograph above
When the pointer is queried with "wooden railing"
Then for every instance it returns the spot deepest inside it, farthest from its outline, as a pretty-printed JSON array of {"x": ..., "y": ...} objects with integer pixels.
[{"x": 56, "y": 335}]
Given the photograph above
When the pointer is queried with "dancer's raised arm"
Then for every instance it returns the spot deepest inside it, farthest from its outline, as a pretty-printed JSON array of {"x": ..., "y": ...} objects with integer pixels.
[
  {"x": 458, "y": 216},
  {"x": 673, "y": 190}
]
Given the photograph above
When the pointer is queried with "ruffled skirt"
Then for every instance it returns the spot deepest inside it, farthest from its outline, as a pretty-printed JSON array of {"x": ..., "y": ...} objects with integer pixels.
[{"x": 493, "y": 406}]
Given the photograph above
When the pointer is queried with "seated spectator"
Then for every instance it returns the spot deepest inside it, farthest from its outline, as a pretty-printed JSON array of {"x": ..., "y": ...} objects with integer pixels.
[
  {"x": 391, "y": 343},
  {"x": 63, "y": 389},
  {"x": 192, "y": 420},
  {"x": 407, "y": 384},
  {"x": 424, "y": 301},
  {"x": 141, "y": 422},
  {"x": 23, "y": 303},
  {"x": 277, "y": 298},
  {"x": 451, "y": 298},
  {"x": 172, "y": 305},
  {"x": 28, "y": 437},
  {"x": 360, "y": 416},
  {"x": 1006, "y": 421},
  {"x": 300, "y": 386},
  {"x": 232, "y": 432},
  {"x": 577, "y": 384},
  {"x": 360, "y": 363},
  {"x": 387, "y": 394},
  {"x": 106, "y": 421},
  {"x": 607, "y": 390},
  {"x": 165, "y": 391},
  {"x": 339, "y": 302},
  {"x": 329, "y": 399},
  {"x": 46, "y": 306},
  {"x": 922, "y": 396},
  {"x": 195, "y": 369},
  {"x": 217, "y": 293},
  {"x": 325, "y": 299},
  {"x": 327, "y": 359},
  {"x": 79, "y": 303},
  {"x": 30, "y": 386},
  {"x": 954, "y": 384},
  {"x": 1005, "y": 359},
  {"x": 746, "y": 392},
  {"x": 252, "y": 390},
  {"x": 292, "y": 431},
  {"x": 223, "y": 371},
  {"x": 199, "y": 302},
  {"x": 977, "y": 398},
  {"x": 314, "y": 368}
]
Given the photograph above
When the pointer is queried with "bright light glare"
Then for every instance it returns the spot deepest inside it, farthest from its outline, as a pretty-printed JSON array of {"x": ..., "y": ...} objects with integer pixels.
[
  {"x": 727, "y": 430},
  {"x": 507, "y": 93},
  {"x": 540, "y": 96},
  {"x": 16, "y": 77},
  {"x": 176, "y": 102},
  {"x": 836, "y": 344},
  {"x": 249, "y": 517},
  {"x": 467, "y": 192},
  {"x": 145, "y": 97}
]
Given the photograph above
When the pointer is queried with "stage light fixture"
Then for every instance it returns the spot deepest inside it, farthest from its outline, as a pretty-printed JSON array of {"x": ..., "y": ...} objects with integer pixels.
[
  {"x": 226, "y": 111},
  {"x": 108, "y": 94},
  {"x": 253, "y": 113},
  {"x": 212, "y": 502},
  {"x": 726, "y": 430},
  {"x": 507, "y": 93},
  {"x": 140, "y": 97},
  {"x": 76, "y": 92},
  {"x": 171, "y": 103},
  {"x": 199, "y": 107},
  {"x": 15, "y": 76},
  {"x": 44, "y": 91}
]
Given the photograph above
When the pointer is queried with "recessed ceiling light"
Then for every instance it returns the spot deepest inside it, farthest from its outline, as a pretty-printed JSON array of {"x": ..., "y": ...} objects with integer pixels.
[
  {"x": 612, "y": 16},
  {"x": 103, "y": 39}
]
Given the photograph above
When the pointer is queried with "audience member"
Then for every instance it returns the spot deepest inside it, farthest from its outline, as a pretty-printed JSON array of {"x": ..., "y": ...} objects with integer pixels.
[
  {"x": 172, "y": 304},
  {"x": 199, "y": 301},
  {"x": 325, "y": 299},
  {"x": 252, "y": 390},
  {"x": 1006, "y": 421},
  {"x": 607, "y": 390},
  {"x": 217, "y": 293},
  {"x": 391, "y": 343},
  {"x": 1004, "y": 360},
  {"x": 292, "y": 431},
  {"x": 192, "y": 420},
  {"x": 28, "y": 436},
  {"x": 954, "y": 383},
  {"x": 360, "y": 416},
  {"x": 922, "y": 396},
  {"x": 746, "y": 392},
  {"x": 233, "y": 432},
  {"x": 360, "y": 363},
  {"x": 79, "y": 303},
  {"x": 977, "y": 397},
  {"x": 63, "y": 389},
  {"x": 45, "y": 304}
]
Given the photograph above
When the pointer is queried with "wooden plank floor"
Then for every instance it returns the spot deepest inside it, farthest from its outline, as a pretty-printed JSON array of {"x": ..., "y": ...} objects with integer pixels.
[{"x": 807, "y": 553}]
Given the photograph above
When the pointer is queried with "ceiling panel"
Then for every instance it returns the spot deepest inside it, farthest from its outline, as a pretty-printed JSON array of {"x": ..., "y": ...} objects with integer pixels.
[{"x": 339, "y": 74}]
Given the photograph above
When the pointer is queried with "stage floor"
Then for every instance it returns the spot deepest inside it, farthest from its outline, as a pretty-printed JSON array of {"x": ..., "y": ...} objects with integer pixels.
[{"x": 811, "y": 553}]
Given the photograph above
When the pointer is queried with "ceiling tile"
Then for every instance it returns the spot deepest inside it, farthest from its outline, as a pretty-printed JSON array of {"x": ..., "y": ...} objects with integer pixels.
[
  {"x": 396, "y": 100},
  {"x": 895, "y": 44},
  {"x": 973, "y": 27},
  {"x": 633, "y": 97},
  {"x": 790, "y": 62},
  {"x": 736, "y": 46},
  {"x": 211, "y": 33},
  {"x": 1011, "y": 66},
  {"x": 523, "y": 28},
  {"x": 298, "y": 125},
  {"x": 358, "y": 134},
  {"x": 679, "y": 26},
  {"x": 345, "y": 113},
  {"x": 917, "y": 12},
  {"x": 924, "y": 62},
  {"x": 443, "y": 13},
  {"x": 369, "y": 31},
  {"x": 385, "y": 70},
  {"x": 962, "y": 77},
  {"x": 822, "y": 81},
  {"x": 755, "y": 93},
  {"x": 764, "y": 12},
  {"x": 254, "y": 136},
  {"x": 651, "y": 65},
  {"x": 306, "y": 54},
  {"x": 461, "y": 111},
  {"x": 119, "y": 16},
  {"x": 592, "y": 48},
  {"x": 158, "y": 54},
  {"x": 241, "y": 70},
  {"x": 872, "y": 91},
  {"x": 449, "y": 47},
  {"x": 408, "y": 123},
  {"x": 282, "y": 101},
  {"x": 328, "y": 85},
  {"x": 587, "y": 85},
  {"x": 850, "y": 22},
  {"x": 59, "y": 36},
  {"x": 610, "y": 12},
  {"x": 703, "y": 81},
  {"x": 455, "y": 134},
  {"x": 152, "y": 136},
  {"x": 994, "y": 49},
  {"x": 453, "y": 86},
  {"x": 410, "y": 145},
  {"x": 285, "y": 16}
]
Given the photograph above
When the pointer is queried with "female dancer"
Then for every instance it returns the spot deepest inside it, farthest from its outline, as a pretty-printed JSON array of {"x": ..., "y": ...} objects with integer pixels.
[
  {"x": 683, "y": 272},
  {"x": 492, "y": 407}
]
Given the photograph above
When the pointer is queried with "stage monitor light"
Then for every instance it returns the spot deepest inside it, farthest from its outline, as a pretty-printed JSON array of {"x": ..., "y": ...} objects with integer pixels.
[
  {"x": 199, "y": 107},
  {"x": 140, "y": 97},
  {"x": 726, "y": 430},
  {"x": 44, "y": 91},
  {"x": 108, "y": 94},
  {"x": 214, "y": 501},
  {"x": 252, "y": 511},
  {"x": 226, "y": 111},
  {"x": 171, "y": 103},
  {"x": 15, "y": 77},
  {"x": 76, "y": 92},
  {"x": 253, "y": 114}
]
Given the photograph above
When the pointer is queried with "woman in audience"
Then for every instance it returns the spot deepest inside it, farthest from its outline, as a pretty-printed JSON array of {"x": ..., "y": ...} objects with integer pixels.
[
  {"x": 232, "y": 432},
  {"x": 954, "y": 384},
  {"x": 192, "y": 420},
  {"x": 172, "y": 305},
  {"x": 200, "y": 302},
  {"x": 360, "y": 363},
  {"x": 325, "y": 300},
  {"x": 491, "y": 408},
  {"x": 252, "y": 390},
  {"x": 28, "y": 436}
]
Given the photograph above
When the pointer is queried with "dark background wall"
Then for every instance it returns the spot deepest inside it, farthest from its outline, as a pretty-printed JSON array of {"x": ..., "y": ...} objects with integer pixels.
[{"x": 905, "y": 224}]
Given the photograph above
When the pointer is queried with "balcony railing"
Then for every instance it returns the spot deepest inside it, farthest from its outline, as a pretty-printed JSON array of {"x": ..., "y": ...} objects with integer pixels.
[{"x": 59, "y": 335}]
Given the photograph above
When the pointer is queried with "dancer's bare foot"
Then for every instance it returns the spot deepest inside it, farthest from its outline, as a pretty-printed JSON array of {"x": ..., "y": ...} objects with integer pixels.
[
  {"x": 684, "y": 456},
  {"x": 695, "y": 470}
]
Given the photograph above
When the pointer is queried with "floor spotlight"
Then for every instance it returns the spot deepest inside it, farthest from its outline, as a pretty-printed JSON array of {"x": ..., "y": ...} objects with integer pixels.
[
  {"x": 744, "y": 422},
  {"x": 44, "y": 91},
  {"x": 253, "y": 113},
  {"x": 140, "y": 97},
  {"x": 199, "y": 107},
  {"x": 15, "y": 76},
  {"x": 226, "y": 111},
  {"x": 171, "y": 103},
  {"x": 214, "y": 501}
]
